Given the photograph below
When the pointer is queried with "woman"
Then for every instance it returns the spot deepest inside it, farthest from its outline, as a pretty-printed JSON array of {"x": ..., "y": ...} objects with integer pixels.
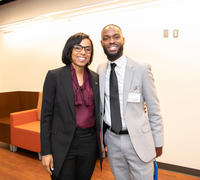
[{"x": 70, "y": 129}]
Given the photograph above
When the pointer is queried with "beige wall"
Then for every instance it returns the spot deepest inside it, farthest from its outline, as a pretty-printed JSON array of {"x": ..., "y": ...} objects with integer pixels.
[{"x": 26, "y": 55}]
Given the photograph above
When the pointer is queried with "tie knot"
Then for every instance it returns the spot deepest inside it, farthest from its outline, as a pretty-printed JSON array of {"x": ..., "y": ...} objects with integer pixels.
[{"x": 113, "y": 65}]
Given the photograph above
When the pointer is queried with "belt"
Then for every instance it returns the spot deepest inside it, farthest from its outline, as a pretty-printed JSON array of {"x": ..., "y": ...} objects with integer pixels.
[
  {"x": 120, "y": 132},
  {"x": 84, "y": 132}
]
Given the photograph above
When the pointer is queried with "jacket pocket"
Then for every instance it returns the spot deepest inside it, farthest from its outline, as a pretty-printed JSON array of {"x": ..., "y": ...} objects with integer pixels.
[{"x": 146, "y": 128}]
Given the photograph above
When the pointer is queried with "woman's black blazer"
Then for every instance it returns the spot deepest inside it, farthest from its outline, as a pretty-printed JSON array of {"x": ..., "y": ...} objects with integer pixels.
[{"x": 58, "y": 119}]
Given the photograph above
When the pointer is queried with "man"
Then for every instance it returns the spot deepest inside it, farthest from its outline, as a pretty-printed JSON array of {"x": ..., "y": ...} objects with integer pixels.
[{"x": 133, "y": 138}]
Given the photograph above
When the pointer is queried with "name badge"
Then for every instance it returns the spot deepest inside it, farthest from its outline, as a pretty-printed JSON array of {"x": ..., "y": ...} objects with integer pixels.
[{"x": 134, "y": 97}]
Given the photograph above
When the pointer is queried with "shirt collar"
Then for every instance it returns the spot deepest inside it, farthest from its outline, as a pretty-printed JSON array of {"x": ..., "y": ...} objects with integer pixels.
[{"x": 120, "y": 62}]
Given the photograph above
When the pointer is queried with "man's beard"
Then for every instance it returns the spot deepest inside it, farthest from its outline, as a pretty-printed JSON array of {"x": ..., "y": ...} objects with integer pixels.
[{"x": 115, "y": 56}]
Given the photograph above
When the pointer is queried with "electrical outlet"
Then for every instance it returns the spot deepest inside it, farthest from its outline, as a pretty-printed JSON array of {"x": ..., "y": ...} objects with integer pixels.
[
  {"x": 165, "y": 33},
  {"x": 175, "y": 33}
]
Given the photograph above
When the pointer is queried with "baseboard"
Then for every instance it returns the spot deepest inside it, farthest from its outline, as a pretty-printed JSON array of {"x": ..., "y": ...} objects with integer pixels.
[{"x": 181, "y": 169}]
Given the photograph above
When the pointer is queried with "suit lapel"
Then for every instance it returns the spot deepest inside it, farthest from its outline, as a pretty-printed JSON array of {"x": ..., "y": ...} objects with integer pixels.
[
  {"x": 95, "y": 84},
  {"x": 68, "y": 92},
  {"x": 129, "y": 72},
  {"x": 102, "y": 78}
]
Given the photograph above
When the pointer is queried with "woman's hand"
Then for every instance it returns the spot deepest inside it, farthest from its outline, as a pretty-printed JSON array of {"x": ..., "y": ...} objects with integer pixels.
[{"x": 47, "y": 162}]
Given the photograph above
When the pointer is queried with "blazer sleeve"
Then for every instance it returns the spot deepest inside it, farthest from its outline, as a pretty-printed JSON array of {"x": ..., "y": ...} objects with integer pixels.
[
  {"x": 153, "y": 107},
  {"x": 49, "y": 90}
]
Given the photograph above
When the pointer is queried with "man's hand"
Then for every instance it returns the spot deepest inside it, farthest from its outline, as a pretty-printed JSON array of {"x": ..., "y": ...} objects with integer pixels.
[
  {"x": 47, "y": 162},
  {"x": 158, "y": 151}
]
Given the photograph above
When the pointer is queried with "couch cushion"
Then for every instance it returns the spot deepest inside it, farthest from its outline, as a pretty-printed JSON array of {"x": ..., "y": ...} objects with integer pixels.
[
  {"x": 27, "y": 136},
  {"x": 32, "y": 126}
]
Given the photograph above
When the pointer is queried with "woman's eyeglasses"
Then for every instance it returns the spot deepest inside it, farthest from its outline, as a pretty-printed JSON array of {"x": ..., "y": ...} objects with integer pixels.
[{"x": 79, "y": 48}]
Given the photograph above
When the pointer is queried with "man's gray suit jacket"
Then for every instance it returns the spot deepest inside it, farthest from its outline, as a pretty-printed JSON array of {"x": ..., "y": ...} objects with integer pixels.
[{"x": 145, "y": 129}]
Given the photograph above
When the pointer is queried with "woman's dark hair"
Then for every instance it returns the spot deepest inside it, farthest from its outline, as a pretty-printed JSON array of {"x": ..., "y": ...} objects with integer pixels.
[{"x": 73, "y": 40}]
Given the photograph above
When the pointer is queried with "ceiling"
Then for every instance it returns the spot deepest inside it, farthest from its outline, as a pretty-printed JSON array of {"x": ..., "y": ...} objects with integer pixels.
[
  {"x": 2, "y": 2},
  {"x": 19, "y": 10},
  {"x": 12, "y": 11}
]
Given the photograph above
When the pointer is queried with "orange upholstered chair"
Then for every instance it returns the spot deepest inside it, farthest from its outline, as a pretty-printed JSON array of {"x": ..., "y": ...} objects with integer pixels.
[{"x": 25, "y": 129}]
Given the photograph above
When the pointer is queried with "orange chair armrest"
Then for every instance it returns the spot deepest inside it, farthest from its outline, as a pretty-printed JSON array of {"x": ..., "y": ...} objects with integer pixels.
[{"x": 22, "y": 117}]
